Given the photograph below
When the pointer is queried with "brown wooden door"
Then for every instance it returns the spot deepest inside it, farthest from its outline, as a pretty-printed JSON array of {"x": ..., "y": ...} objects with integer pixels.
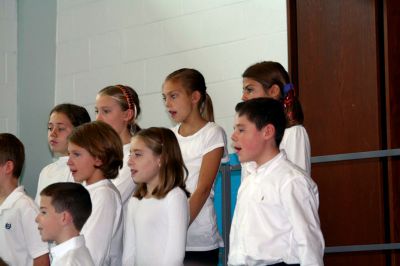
[{"x": 339, "y": 61}]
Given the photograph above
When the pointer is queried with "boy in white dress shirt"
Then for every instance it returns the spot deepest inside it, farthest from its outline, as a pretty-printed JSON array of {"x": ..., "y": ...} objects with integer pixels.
[
  {"x": 20, "y": 242},
  {"x": 64, "y": 209},
  {"x": 276, "y": 217}
]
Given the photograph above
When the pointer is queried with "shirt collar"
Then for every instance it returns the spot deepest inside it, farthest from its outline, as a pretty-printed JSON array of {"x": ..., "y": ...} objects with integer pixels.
[
  {"x": 12, "y": 198},
  {"x": 98, "y": 184},
  {"x": 61, "y": 249},
  {"x": 253, "y": 169}
]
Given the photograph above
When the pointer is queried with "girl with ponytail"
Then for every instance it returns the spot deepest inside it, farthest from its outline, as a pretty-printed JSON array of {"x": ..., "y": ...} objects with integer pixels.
[
  {"x": 203, "y": 146},
  {"x": 270, "y": 79}
]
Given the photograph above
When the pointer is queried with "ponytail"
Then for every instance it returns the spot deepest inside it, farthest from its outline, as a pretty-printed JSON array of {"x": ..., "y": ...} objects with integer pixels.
[
  {"x": 206, "y": 108},
  {"x": 292, "y": 107}
]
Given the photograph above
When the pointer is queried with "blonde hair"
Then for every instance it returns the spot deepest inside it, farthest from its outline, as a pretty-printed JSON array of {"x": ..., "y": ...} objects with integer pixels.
[
  {"x": 192, "y": 80},
  {"x": 127, "y": 98},
  {"x": 173, "y": 173}
]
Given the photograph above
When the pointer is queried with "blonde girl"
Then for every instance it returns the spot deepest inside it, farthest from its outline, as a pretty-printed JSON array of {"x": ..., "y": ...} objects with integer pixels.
[
  {"x": 203, "y": 145},
  {"x": 157, "y": 215},
  {"x": 95, "y": 157},
  {"x": 63, "y": 119},
  {"x": 119, "y": 107}
]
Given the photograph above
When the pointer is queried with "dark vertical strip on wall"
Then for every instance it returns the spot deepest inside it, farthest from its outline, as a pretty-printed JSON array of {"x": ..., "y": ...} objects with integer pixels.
[{"x": 36, "y": 82}]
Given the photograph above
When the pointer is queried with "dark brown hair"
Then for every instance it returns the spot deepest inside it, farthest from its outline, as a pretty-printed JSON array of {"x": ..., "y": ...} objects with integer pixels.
[
  {"x": 12, "y": 149},
  {"x": 71, "y": 197},
  {"x": 102, "y": 142},
  {"x": 127, "y": 99},
  {"x": 269, "y": 73},
  {"x": 173, "y": 173},
  {"x": 192, "y": 80},
  {"x": 264, "y": 111},
  {"x": 76, "y": 114}
]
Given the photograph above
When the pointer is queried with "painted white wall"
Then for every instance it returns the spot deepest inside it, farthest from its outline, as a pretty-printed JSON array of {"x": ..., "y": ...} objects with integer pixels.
[
  {"x": 139, "y": 42},
  {"x": 8, "y": 66}
]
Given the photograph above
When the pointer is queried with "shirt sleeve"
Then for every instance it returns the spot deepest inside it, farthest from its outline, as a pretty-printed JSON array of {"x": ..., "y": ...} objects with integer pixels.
[
  {"x": 98, "y": 230},
  {"x": 178, "y": 221},
  {"x": 297, "y": 147},
  {"x": 300, "y": 201},
  {"x": 36, "y": 247},
  {"x": 216, "y": 138},
  {"x": 129, "y": 241}
]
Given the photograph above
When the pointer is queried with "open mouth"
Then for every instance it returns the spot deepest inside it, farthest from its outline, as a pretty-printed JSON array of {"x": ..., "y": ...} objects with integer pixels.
[
  {"x": 172, "y": 113},
  {"x": 133, "y": 172},
  {"x": 237, "y": 149}
]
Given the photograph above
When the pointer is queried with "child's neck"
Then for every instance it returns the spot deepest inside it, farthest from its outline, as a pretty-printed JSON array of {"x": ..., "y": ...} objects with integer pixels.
[
  {"x": 7, "y": 187},
  {"x": 125, "y": 136},
  {"x": 96, "y": 177},
  {"x": 66, "y": 234},
  {"x": 267, "y": 156},
  {"x": 192, "y": 124}
]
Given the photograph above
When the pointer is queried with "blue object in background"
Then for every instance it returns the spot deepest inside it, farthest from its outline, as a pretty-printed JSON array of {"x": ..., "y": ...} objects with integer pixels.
[{"x": 235, "y": 183}]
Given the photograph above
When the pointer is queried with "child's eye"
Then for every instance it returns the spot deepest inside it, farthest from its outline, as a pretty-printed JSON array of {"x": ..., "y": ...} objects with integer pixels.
[
  {"x": 164, "y": 98},
  {"x": 49, "y": 128},
  {"x": 96, "y": 111},
  {"x": 137, "y": 154},
  {"x": 61, "y": 129},
  {"x": 248, "y": 90},
  {"x": 43, "y": 212},
  {"x": 173, "y": 96}
]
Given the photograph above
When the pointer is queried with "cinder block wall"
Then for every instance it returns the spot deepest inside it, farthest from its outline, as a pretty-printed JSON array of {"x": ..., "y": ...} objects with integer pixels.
[
  {"x": 139, "y": 42},
  {"x": 8, "y": 66}
]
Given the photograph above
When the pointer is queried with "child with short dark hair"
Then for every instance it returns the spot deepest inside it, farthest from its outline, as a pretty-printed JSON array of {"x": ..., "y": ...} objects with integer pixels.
[
  {"x": 19, "y": 238},
  {"x": 276, "y": 217},
  {"x": 64, "y": 209},
  {"x": 95, "y": 156}
]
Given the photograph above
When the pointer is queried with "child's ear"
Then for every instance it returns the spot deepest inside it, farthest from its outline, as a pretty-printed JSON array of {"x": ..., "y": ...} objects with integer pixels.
[
  {"x": 97, "y": 162},
  {"x": 9, "y": 167},
  {"x": 274, "y": 91},
  {"x": 196, "y": 96},
  {"x": 66, "y": 218},
  {"x": 268, "y": 131},
  {"x": 129, "y": 115}
]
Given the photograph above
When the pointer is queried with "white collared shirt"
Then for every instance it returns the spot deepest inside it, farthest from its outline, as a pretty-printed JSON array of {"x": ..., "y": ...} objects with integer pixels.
[
  {"x": 71, "y": 252},
  {"x": 124, "y": 182},
  {"x": 276, "y": 217},
  {"x": 55, "y": 172},
  {"x": 20, "y": 239},
  {"x": 103, "y": 229},
  {"x": 155, "y": 230},
  {"x": 203, "y": 233}
]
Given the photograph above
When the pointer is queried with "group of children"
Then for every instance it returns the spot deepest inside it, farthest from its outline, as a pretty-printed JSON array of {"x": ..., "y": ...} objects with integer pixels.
[{"x": 122, "y": 195}]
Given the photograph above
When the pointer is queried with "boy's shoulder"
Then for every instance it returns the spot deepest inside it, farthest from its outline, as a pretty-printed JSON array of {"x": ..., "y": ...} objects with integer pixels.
[
  {"x": 283, "y": 171},
  {"x": 19, "y": 200}
]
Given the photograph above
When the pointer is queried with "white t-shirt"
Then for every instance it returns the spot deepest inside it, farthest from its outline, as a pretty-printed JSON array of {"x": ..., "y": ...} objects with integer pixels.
[
  {"x": 155, "y": 230},
  {"x": 103, "y": 229},
  {"x": 203, "y": 233},
  {"x": 20, "y": 239},
  {"x": 124, "y": 182},
  {"x": 297, "y": 147},
  {"x": 71, "y": 252},
  {"x": 55, "y": 172},
  {"x": 276, "y": 217},
  {"x": 296, "y": 144}
]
